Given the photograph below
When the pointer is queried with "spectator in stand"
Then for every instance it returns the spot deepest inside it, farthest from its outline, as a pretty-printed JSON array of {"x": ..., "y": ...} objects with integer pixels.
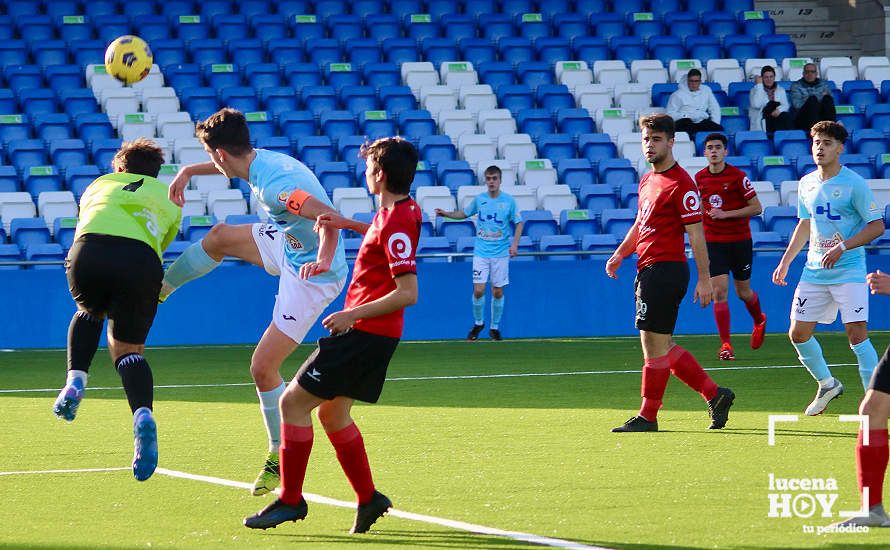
[
  {"x": 694, "y": 107},
  {"x": 811, "y": 99},
  {"x": 769, "y": 107}
]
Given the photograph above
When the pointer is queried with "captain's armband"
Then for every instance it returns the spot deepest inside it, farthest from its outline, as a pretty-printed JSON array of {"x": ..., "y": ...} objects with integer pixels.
[{"x": 296, "y": 200}]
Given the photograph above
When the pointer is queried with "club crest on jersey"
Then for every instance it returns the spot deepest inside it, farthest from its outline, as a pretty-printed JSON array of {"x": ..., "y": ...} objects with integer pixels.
[
  {"x": 746, "y": 184},
  {"x": 282, "y": 197},
  {"x": 716, "y": 201},
  {"x": 293, "y": 242},
  {"x": 836, "y": 193},
  {"x": 399, "y": 245}
]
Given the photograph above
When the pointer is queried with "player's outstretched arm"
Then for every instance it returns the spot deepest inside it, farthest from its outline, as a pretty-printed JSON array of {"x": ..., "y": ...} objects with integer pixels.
[
  {"x": 870, "y": 232},
  {"x": 177, "y": 187},
  {"x": 878, "y": 282},
  {"x": 624, "y": 250},
  {"x": 336, "y": 220},
  {"x": 453, "y": 214},
  {"x": 404, "y": 295},
  {"x": 798, "y": 239},
  {"x": 704, "y": 292}
]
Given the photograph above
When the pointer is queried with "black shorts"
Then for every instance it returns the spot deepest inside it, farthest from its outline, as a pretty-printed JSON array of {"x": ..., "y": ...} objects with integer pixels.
[
  {"x": 735, "y": 257},
  {"x": 659, "y": 289},
  {"x": 118, "y": 278},
  {"x": 352, "y": 364},
  {"x": 880, "y": 380}
]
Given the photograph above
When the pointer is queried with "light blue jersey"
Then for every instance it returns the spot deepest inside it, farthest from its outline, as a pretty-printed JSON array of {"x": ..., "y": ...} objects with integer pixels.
[
  {"x": 493, "y": 229},
  {"x": 273, "y": 177},
  {"x": 837, "y": 209}
]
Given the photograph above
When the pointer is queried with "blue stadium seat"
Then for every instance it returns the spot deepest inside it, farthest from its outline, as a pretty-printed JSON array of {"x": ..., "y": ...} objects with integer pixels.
[
  {"x": 744, "y": 164},
  {"x": 166, "y": 52},
  {"x": 300, "y": 74},
  {"x": 616, "y": 172},
  {"x": 534, "y": 73},
  {"x": 206, "y": 51},
  {"x": 344, "y": 27},
  {"x": 757, "y": 23},
  {"x": 335, "y": 124},
  {"x": 254, "y": 8},
  {"x": 338, "y": 75},
  {"x": 396, "y": 99},
  {"x": 381, "y": 26},
  {"x": 13, "y": 52},
  {"x": 418, "y": 26},
  {"x": 359, "y": 98},
  {"x": 781, "y": 219},
  {"x": 312, "y": 150},
  {"x": 767, "y": 239},
  {"x": 294, "y": 124},
  {"x": 103, "y": 151},
  {"x": 243, "y": 98},
  {"x": 111, "y": 25},
  {"x": 439, "y": 50},
  {"x": 578, "y": 223},
  {"x": 50, "y": 52},
  {"x": 515, "y": 50},
  {"x": 869, "y": 142},
  {"x": 576, "y": 173},
  {"x": 78, "y": 178},
  {"x": 535, "y": 122},
  {"x": 739, "y": 94},
  {"x": 437, "y": 148},
  {"x": 538, "y": 223},
  {"x": 776, "y": 169},
  {"x": 478, "y": 51},
  {"x": 64, "y": 230},
  {"x": 860, "y": 93},
  {"x": 661, "y": 93},
  {"x": 741, "y": 47},
  {"x": 222, "y": 75},
  {"x": 465, "y": 245},
  {"x": 805, "y": 165},
  {"x": 608, "y": 25},
  {"x": 558, "y": 243},
  {"x": 9, "y": 182},
  {"x": 441, "y": 8},
  {"x": 752, "y": 144},
  {"x": 306, "y": 27},
  {"x": 46, "y": 252},
  {"x": 362, "y": 51},
  {"x": 351, "y": 246},
  {"x": 268, "y": 26},
  {"x": 19, "y": 77},
  {"x": 28, "y": 231},
  {"x": 260, "y": 123},
  {"x": 381, "y": 75},
  {"x": 328, "y": 8},
  {"x": 643, "y": 27},
  {"x": 454, "y": 229},
  {"x": 666, "y": 48},
  {"x": 52, "y": 126},
  {"x": 454, "y": 174},
  {"x": 704, "y": 48},
  {"x": 424, "y": 176},
  {"x": 882, "y": 166},
  {"x": 530, "y": 25},
  {"x": 232, "y": 26},
  {"x": 194, "y": 228},
  {"x": 756, "y": 223},
  {"x": 719, "y": 24},
  {"x": 14, "y": 127},
  {"x": 597, "y": 197},
  {"x": 617, "y": 221},
  {"x": 878, "y": 115},
  {"x": 279, "y": 144},
  {"x": 426, "y": 226},
  {"x": 8, "y": 103},
  {"x": 263, "y": 75},
  {"x": 480, "y": 7},
  {"x": 556, "y": 147},
  {"x": 416, "y": 123},
  {"x": 100, "y": 8},
  {"x": 154, "y": 27},
  {"x": 319, "y": 99},
  {"x": 591, "y": 48},
  {"x": 604, "y": 244},
  {"x": 35, "y": 28},
  {"x": 244, "y": 51},
  {"x": 23, "y": 153},
  {"x": 41, "y": 178},
  {"x": 433, "y": 245},
  {"x": 574, "y": 121},
  {"x": 792, "y": 143},
  {"x": 66, "y": 153},
  {"x": 777, "y": 46},
  {"x": 496, "y": 73},
  {"x": 183, "y": 75},
  {"x": 664, "y": 7},
  {"x": 290, "y": 54},
  {"x": 860, "y": 164},
  {"x": 627, "y": 48},
  {"x": 62, "y": 77},
  {"x": 555, "y": 97},
  {"x": 199, "y": 102},
  {"x": 569, "y": 24},
  {"x": 333, "y": 175},
  {"x": 377, "y": 124},
  {"x": 400, "y": 50},
  {"x": 628, "y": 195},
  {"x": 73, "y": 27},
  {"x": 595, "y": 147},
  {"x": 458, "y": 26},
  {"x": 515, "y": 97},
  {"x": 495, "y": 26}
]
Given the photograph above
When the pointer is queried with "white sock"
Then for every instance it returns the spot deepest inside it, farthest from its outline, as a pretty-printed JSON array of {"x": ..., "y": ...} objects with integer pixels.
[
  {"x": 827, "y": 382},
  {"x": 272, "y": 415},
  {"x": 73, "y": 374}
]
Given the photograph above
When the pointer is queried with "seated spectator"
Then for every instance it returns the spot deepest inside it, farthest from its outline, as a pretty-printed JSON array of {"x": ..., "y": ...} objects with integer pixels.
[
  {"x": 811, "y": 99},
  {"x": 694, "y": 107},
  {"x": 769, "y": 107}
]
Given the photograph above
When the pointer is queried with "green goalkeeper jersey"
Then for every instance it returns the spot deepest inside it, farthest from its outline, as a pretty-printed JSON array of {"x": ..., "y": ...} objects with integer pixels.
[{"x": 132, "y": 206}]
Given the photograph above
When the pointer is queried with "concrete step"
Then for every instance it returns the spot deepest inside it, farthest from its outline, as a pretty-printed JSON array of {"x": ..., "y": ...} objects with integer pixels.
[
  {"x": 795, "y": 12},
  {"x": 815, "y": 34},
  {"x": 817, "y": 51}
]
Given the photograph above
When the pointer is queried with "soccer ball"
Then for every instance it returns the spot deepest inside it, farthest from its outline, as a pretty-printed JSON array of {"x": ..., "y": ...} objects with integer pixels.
[{"x": 128, "y": 59}]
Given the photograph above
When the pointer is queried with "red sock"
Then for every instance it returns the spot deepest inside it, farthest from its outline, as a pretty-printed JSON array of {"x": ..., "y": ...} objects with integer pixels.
[
  {"x": 655, "y": 378},
  {"x": 721, "y": 315},
  {"x": 686, "y": 368},
  {"x": 296, "y": 444},
  {"x": 753, "y": 306},
  {"x": 353, "y": 459},
  {"x": 871, "y": 464}
]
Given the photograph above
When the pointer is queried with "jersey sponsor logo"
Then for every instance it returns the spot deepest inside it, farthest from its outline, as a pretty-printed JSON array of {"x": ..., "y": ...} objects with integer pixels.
[
  {"x": 151, "y": 221},
  {"x": 282, "y": 197},
  {"x": 801, "y": 301},
  {"x": 858, "y": 309},
  {"x": 399, "y": 246},
  {"x": 716, "y": 201},
  {"x": 293, "y": 242},
  {"x": 746, "y": 184},
  {"x": 267, "y": 231},
  {"x": 314, "y": 374},
  {"x": 287, "y": 317},
  {"x": 691, "y": 201},
  {"x": 826, "y": 211},
  {"x": 642, "y": 309},
  {"x": 873, "y": 207}
]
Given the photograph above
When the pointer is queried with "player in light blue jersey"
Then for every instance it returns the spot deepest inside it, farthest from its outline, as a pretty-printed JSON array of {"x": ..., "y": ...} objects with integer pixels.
[
  {"x": 311, "y": 266},
  {"x": 838, "y": 216},
  {"x": 495, "y": 243}
]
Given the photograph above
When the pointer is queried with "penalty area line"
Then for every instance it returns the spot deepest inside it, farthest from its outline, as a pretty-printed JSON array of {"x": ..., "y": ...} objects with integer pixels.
[
  {"x": 444, "y": 522},
  {"x": 443, "y": 377}
]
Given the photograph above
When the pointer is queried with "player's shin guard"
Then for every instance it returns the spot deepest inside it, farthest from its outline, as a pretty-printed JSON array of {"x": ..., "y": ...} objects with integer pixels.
[
  {"x": 137, "y": 380},
  {"x": 871, "y": 464},
  {"x": 721, "y": 316},
  {"x": 293, "y": 456},
  {"x": 83, "y": 340},
  {"x": 191, "y": 264},
  {"x": 867, "y": 358},
  {"x": 753, "y": 306},
  {"x": 272, "y": 414},
  {"x": 656, "y": 373},
  {"x": 479, "y": 309},
  {"x": 810, "y": 355},
  {"x": 497, "y": 311},
  {"x": 686, "y": 368},
  {"x": 353, "y": 458}
]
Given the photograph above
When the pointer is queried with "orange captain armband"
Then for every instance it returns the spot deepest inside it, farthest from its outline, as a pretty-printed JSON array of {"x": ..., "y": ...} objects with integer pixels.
[{"x": 296, "y": 200}]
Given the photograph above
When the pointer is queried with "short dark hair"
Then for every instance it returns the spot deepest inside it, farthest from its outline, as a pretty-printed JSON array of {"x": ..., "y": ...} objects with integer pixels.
[
  {"x": 831, "y": 129},
  {"x": 493, "y": 169},
  {"x": 716, "y": 137},
  {"x": 397, "y": 157},
  {"x": 140, "y": 156},
  {"x": 767, "y": 69},
  {"x": 658, "y": 122},
  {"x": 225, "y": 129},
  {"x": 693, "y": 72}
]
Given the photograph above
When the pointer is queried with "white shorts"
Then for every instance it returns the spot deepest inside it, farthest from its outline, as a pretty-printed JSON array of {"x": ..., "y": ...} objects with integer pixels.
[
  {"x": 299, "y": 302},
  {"x": 820, "y": 303},
  {"x": 497, "y": 268}
]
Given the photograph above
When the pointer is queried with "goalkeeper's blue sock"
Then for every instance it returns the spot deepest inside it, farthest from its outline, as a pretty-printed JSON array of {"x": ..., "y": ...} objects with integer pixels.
[
  {"x": 810, "y": 355},
  {"x": 479, "y": 309},
  {"x": 497, "y": 311},
  {"x": 194, "y": 262},
  {"x": 867, "y": 358},
  {"x": 272, "y": 414}
]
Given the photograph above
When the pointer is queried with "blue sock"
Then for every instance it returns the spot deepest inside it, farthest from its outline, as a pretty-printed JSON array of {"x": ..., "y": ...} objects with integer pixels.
[
  {"x": 810, "y": 355},
  {"x": 497, "y": 310},
  {"x": 190, "y": 265},
  {"x": 867, "y": 358},
  {"x": 272, "y": 415},
  {"x": 479, "y": 309}
]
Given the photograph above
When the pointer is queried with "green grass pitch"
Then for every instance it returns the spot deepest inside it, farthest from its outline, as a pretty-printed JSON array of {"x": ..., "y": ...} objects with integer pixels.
[{"x": 531, "y": 454}]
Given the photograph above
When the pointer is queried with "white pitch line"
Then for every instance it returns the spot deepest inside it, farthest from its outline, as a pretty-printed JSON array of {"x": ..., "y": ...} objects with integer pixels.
[
  {"x": 451, "y": 377},
  {"x": 74, "y": 471},
  {"x": 459, "y": 525}
]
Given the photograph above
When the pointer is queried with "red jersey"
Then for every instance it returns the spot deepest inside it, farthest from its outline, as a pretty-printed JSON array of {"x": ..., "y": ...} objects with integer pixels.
[
  {"x": 387, "y": 251},
  {"x": 729, "y": 190},
  {"x": 668, "y": 202}
]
